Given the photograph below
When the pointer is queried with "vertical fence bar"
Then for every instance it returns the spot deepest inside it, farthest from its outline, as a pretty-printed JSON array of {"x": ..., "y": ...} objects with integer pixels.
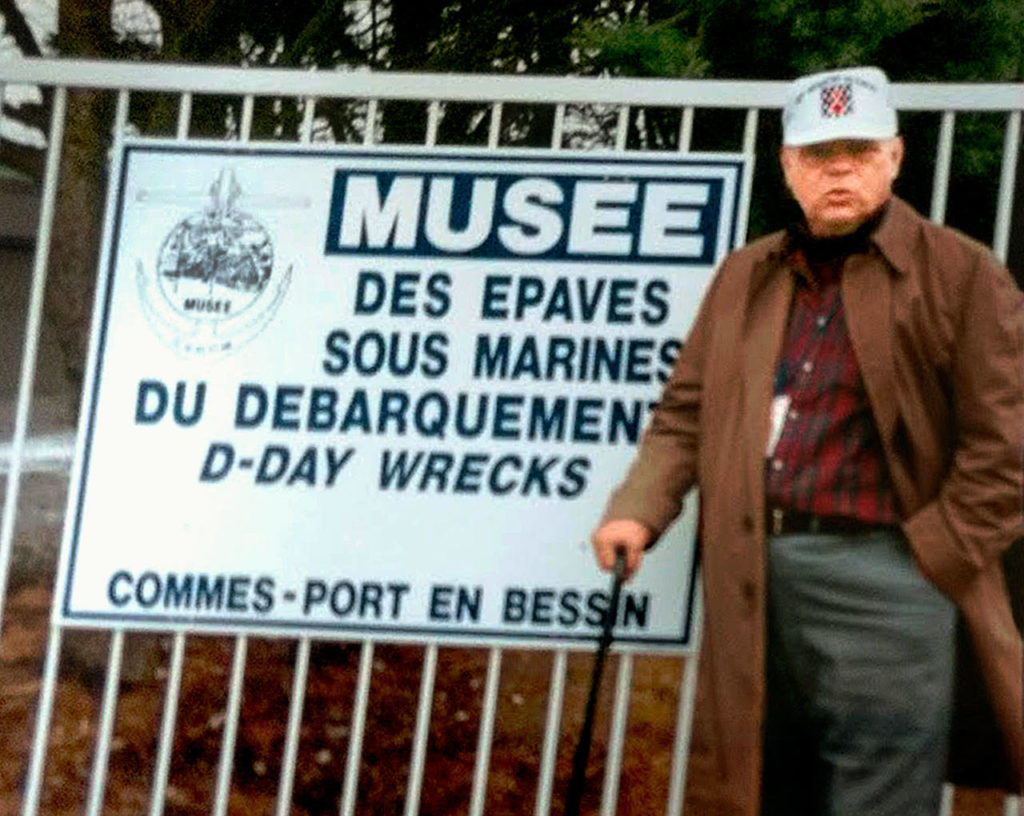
[
  {"x": 943, "y": 159},
  {"x": 291, "y": 747},
  {"x": 158, "y": 796},
  {"x": 37, "y": 760},
  {"x": 946, "y": 804},
  {"x": 419, "y": 750},
  {"x": 44, "y": 715},
  {"x": 355, "y": 739},
  {"x": 41, "y": 735},
  {"x": 622, "y": 129},
  {"x": 483, "y": 748},
  {"x": 370, "y": 130},
  {"x": 245, "y": 127},
  {"x": 306, "y": 128},
  {"x": 184, "y": 116},
  {"x": 120, "y": 126},
  {"x": 556, "y": 697},
  {"x": 433, "y": 122},
  {"x": 98, "y": 783},
  {"x": 617, "y": 739},
  {"x": 1011, "y": 146},
  {"x": 749, "y": 145},
  {"x": 172, "y": 695},
  {"x": 494, "y": 132},
  {"x": 227, "y": 748},
  {"x": 234, "y": 704},
  {"x": 686, "y": 129},
  {"x": 30, "y": 348},
  {"x": 684, "y": 719},
  {"x": 558, "y": 127},
  {"x": 684, "y": 730}
]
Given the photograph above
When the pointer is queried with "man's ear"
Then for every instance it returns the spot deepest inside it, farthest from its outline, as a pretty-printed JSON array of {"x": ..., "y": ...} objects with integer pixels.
[
  {"x": 897, "y": 156},
  {"x": 786, "y": 161}
]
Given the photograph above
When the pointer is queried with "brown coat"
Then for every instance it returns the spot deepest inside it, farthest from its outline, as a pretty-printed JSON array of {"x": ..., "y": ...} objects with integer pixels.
[{"x": 938, "y": 329}]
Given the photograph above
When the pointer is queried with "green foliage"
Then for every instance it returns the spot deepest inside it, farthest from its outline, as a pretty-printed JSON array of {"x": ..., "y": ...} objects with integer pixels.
[
  {"x": 778, "y": 39},
  {"x": 913, "y": 40},
  {"x": 636, "y": 48}
]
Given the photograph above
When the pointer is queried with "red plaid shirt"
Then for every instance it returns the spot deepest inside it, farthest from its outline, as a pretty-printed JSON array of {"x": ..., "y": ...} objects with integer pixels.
[{"x": 828, "y": 459}]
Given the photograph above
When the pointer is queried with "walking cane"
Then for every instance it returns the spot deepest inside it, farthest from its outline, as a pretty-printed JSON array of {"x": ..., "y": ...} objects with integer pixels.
[{"x": 574, "y": 795}]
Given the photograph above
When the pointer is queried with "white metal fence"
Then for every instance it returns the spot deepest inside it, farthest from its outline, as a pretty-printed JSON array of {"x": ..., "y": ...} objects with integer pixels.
[{"x": 617, "y": 100}]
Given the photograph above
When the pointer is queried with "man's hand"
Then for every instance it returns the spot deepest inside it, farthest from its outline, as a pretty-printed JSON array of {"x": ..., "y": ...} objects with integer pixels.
[{"x": 630, "y": 535}]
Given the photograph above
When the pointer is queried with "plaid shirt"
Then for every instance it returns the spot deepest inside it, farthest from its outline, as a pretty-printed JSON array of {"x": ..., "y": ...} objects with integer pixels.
[{"x": 828, "y": 459}]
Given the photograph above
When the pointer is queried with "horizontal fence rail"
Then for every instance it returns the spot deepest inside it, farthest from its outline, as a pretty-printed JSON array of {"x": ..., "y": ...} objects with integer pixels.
[
  {"x": 707, "y": 93},
  {"x": 24, "y": 454}
]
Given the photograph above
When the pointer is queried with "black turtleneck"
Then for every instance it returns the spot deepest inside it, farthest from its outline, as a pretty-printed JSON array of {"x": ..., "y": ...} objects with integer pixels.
[{"x": 823, "y": 250}]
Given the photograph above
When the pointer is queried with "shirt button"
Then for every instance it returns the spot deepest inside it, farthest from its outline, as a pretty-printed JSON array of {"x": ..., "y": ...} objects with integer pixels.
[
  {"x": 807, "y": 367},
  {"x": 821, "y": 321},
  {"x": 776, "y": 464},
  {"x": 792, "y": 413}
]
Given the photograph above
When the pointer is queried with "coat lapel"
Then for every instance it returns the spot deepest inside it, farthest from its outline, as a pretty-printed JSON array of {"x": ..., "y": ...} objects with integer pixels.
[
  {"x": 771, "y": 290},
  {"x": 867, "y": 306}
]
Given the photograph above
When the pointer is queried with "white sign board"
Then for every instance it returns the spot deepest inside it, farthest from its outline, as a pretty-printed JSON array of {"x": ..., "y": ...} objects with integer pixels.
[{"x": 383, "y": 391}]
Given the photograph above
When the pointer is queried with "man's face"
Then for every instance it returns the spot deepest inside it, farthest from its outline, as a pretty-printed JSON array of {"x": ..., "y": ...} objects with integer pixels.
[{"x": 840, "y": 184}]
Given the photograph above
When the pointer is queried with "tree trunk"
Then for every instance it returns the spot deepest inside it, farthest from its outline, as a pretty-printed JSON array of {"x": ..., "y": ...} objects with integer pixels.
[
  {"x": 74, "y": 250},
  {"x": 83, "y": 31}
]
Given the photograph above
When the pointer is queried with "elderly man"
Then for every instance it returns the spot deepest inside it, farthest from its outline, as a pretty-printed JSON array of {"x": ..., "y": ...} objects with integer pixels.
[{"x": 850, "y": 405}]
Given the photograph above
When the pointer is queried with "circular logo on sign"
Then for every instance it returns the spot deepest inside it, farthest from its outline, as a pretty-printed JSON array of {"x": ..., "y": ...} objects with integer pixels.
[{"x": 214, "y": 288}]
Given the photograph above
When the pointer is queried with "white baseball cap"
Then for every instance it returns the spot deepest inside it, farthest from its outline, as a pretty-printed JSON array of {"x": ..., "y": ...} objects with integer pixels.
[{"x": 849, "y": 103}]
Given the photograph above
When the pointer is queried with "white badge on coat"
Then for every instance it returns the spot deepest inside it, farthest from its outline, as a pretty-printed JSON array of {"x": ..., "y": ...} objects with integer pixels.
[{"x": 780, "y": 407}]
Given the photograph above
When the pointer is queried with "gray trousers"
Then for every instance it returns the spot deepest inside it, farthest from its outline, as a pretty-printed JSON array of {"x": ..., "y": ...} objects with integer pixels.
[{"x": 859, "y": 670}]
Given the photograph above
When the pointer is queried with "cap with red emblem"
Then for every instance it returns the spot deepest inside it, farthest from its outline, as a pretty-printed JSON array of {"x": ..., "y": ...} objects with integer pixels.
[{"x": 849, "y": 103}]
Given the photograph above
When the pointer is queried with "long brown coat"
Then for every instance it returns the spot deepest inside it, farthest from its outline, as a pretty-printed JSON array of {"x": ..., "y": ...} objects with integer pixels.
[{"x": 937, "y": 326}]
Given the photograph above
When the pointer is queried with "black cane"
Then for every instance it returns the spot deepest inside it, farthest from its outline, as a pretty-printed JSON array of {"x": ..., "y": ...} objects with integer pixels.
[{"x": 574, "y": 795}]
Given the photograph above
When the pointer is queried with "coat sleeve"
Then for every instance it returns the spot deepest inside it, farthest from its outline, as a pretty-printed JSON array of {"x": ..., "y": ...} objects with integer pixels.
[
  {"x": 978, "y": 511},
  {"x": 665, "y": 465}
]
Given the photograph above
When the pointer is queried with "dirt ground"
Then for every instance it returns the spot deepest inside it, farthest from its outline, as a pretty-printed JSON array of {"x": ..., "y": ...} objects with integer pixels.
[{"x": 383, "y": 778}]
